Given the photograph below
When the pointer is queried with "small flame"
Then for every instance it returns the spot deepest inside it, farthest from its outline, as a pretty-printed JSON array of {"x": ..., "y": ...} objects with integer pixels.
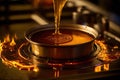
[
  {"x": 9, "y": 45},
  {"x": 104, "y": 54},
  {"x": 0, "y": 47},
  {"x": 104, "y": 67},
  {"x": 98, "y": 68},
  {"x": 36, "y": 69},
  {"x": 7, "y": 39},
  {"x": 56, "y": 73},
  {"x": 12, "y": 43}
]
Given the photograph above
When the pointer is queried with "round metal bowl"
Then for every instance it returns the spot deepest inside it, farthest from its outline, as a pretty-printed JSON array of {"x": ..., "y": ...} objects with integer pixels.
[{"x": 61, "y": 51}]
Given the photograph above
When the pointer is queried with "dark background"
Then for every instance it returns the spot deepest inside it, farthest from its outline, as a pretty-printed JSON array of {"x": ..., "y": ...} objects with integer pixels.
[{"x": 112, "y": 6}]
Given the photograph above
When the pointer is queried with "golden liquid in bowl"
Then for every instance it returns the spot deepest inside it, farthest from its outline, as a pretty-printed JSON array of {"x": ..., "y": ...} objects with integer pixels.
[{"x": 69, "y": 37}]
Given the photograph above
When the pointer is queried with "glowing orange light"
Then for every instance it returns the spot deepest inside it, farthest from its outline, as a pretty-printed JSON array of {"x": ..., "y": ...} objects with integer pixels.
[
  {"x": 19, "y": 61},
  {"x": 104, "y": 54},
  {"x": 9, "y": 45},
  {"x": 36, "y": 69},
  {"x": 7, "y": 39},
  {"x": 0, "y": 47},
  {"x": 98, "y": 68},
  {"x": 12, "y": 43},
  {"x": 57, "y": 74},
  {"x": 104, "y": 67}
]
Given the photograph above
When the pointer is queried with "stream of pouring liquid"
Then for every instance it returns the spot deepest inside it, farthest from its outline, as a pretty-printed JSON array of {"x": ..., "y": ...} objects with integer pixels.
[
  {"x": 57, "y": 37},
  {"x": 58, "y": 6}
]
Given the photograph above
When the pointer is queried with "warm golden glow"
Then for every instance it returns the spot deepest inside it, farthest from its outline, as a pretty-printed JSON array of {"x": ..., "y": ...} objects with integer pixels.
[
  {"x": 17, "y": 64},
  {"x": 36, "y": 69},
  {"x": 1, "y": 48},
  {"x": 100, "y": 68},
  {"x": 57, "y": 68},
  {"x": 106, "y": 67},
  {"x": 9, "y": 45},
  {"x": 12, "y": 43},
  {"x": 104, "y": 54},
  {"x": 7, "y": 39},
  {"x": 58, "y": 6},
  {"x": 56, "y": 73}
]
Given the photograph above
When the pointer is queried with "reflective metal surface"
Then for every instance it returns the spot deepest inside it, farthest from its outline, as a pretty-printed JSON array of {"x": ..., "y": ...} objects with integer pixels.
[{"x": 98, "y": 68}]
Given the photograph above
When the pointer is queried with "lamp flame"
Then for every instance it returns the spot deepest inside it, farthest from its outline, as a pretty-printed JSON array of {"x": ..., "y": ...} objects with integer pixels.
[
  {"x": 12, "y": 43},
  {"x": 104, "y": 67},
  {"x": 10, "y": 56}
]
